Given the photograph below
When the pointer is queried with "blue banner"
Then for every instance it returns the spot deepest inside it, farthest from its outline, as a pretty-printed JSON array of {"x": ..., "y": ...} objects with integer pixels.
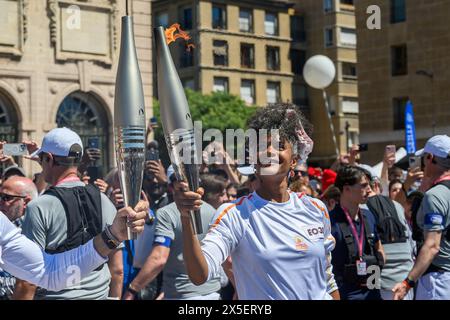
[{"x": 410, "y": 129}]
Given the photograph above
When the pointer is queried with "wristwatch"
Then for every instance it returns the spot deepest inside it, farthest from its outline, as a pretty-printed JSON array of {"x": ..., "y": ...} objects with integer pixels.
[
  {"x": 110, "y": 241},
  {"x": 130, "y": 289}
]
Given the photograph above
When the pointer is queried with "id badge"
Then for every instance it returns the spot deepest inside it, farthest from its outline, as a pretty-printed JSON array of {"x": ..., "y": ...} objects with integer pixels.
[{"x": 361, "y": 268}]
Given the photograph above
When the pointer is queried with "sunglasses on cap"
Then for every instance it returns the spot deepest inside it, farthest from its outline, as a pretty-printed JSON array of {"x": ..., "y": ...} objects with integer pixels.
[{"x": 8, "y": 197}]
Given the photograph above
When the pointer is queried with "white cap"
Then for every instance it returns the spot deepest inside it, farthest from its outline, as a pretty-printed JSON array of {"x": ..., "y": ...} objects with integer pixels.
[
  {"x": 438, "y": 146},
  {"x": 58, "y": 142},
  {"x": 371, "y": 170},
  {"x": 247, "y": 170}
]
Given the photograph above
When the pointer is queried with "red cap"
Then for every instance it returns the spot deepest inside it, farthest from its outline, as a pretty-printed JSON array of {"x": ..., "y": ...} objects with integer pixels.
[{"x": 328, "y": 178}]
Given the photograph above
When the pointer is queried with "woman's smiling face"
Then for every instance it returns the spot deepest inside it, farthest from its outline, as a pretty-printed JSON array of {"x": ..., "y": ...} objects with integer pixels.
[{"x": 277, "y": 159}]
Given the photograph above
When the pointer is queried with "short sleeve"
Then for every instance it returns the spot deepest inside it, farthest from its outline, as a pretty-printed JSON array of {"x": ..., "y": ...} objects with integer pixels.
[
  {"x": 165, "y": 225},
  {"x": 109, "y": 211},
  {"x": 34, "y": 226},
  {"x": 434, "y": 213},
  {"x": 222, "y": 238}
]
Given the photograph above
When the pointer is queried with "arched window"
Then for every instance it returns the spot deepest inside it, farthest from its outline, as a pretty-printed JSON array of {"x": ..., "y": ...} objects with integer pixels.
[
  {"x": 85, "y": 115},
  {"x": 8, "y": 121}
]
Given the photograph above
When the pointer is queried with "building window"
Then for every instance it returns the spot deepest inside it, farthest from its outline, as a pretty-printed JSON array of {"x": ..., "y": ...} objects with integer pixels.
[
  {"x": 348, "y": 37},
  {"x": 220, "y": 53},
  {"x": 353, "y": 138},
  {"x": 85, "y": 115},
  {"x": 219, "y": 17},
  {"x": 399, "y": 60},
  {"x": 186, "y": 18},
  {"x": 399, "y": 105},
  {"x": 162, "y": 19},
  {"x": 328, "y": 5},
  {"x": 329, "y": 37},
  {"x": 186, "y": 56},
  {"x": 247, "y": 55},
  {"x": 350, "y": 105},
  {"x": 271, "y": 24},
  {"x": 8, "y": 121},
  {"x": 298, "y": 29},
  {"x": 273, "y": 58},
  {"x": 349, "y": 71},
  {"x": 298, "y": 60},
  {"x": 220, "y": 84},
  {"x": 245, "y": 20},
  {"x": 273, "y": 92},
  {"x": 300, "y": 95},
  {"x": 349, "y": 2},
  {"x": 248, "y": 91},
  {"x": 188, "y": 83},
  {"x": 398, "y": 11}
]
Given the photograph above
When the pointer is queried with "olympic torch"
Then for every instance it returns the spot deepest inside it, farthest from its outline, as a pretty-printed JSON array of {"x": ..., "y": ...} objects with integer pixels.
[
  {"x": 176, "y": 121},
  {"x": 129, "y": 120}
]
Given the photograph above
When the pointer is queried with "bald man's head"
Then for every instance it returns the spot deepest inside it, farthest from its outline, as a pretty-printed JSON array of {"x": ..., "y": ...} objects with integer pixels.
[
  {"x": 15, "y": 193},
  {"x": 21, "y": 185}
]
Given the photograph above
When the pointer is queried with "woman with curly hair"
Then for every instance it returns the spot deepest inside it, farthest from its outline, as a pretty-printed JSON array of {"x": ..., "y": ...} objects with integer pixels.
[{"x": 279, "y": 241}]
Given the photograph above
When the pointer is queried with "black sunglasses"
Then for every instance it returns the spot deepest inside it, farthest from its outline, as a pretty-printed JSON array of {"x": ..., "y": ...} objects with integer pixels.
[
  {"x": 303, "y": 173},
  {"x": 8, "y": 197}
]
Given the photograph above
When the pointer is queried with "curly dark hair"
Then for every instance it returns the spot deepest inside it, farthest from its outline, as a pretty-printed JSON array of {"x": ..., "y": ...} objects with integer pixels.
[{"x": 282, "y": 116}]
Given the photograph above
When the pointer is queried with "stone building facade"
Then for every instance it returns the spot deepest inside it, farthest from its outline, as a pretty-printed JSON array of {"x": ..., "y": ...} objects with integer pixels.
[{"x": 58, "y": 63}]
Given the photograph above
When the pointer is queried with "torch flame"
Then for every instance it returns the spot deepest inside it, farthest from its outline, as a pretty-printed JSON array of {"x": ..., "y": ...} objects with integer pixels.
[{"x": 172, "y": 37}]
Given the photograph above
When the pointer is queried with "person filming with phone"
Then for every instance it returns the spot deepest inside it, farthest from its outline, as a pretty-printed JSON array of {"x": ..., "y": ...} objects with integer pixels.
[{"x": 155, "y": 179}]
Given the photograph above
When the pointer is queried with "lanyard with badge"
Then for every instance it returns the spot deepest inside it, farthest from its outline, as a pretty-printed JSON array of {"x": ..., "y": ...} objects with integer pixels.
[{"x": 361, "y": 266}]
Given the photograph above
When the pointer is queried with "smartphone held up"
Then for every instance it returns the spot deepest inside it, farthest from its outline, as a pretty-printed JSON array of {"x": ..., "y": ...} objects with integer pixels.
[{"x": 15, "y": 149}]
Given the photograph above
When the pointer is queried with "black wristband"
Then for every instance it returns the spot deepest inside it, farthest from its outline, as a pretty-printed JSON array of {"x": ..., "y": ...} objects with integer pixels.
[
  {"x": 110, "y": 243},
  {"x": 131, "y": 290}
]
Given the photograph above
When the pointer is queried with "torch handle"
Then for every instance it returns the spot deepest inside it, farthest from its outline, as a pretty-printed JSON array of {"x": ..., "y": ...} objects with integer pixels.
[
  {"x": 131, "y": 235},
  {"x": 196, "y": 221}
]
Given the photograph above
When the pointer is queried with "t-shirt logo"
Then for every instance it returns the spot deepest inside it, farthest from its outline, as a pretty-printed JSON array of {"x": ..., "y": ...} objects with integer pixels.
[
  {"x": 300, "y": 244},
  {"x": 313, "y": 232}
]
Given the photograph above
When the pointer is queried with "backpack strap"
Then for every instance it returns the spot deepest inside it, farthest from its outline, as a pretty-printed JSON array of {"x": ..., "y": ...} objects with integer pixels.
[{"x": 349, "y": 241}]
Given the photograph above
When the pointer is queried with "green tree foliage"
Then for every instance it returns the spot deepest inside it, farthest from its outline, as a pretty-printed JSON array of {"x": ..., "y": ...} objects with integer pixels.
[{"x": 217, "y": 110}]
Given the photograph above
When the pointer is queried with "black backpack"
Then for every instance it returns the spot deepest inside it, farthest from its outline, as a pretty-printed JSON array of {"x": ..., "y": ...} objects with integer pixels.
[
  {"x": 83, "y": 209},
  {"x": 389, "y": 227}
]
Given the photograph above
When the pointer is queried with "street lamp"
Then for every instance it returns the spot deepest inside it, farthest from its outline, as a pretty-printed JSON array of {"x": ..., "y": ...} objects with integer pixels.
[
  {"x": 430, "y": 75},
  {"x": 347, "y": 127}
]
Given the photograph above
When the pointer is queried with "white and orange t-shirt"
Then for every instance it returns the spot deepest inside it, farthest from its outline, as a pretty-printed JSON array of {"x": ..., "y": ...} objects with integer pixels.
[{"x": 279, "y": 250}]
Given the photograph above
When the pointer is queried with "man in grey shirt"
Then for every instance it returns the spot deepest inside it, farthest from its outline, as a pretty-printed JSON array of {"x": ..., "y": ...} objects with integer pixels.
[
  {"x": 167, "y": 254},
  {"x": 46, "y": 220},
  {"x": 432, "y": 267}
]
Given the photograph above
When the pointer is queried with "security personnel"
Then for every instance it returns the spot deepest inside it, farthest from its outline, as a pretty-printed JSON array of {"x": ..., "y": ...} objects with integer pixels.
[{"x": 357, "y": 244}]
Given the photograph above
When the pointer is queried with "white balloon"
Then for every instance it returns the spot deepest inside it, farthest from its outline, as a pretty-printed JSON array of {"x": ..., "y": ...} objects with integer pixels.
[{"x": 319, "y": 72}]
